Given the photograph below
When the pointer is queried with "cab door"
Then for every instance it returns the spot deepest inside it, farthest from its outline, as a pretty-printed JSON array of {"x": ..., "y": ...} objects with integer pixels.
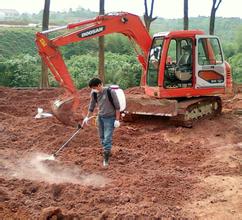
[
  {"x": 210, "y": 67},
  {"x": 152, "y": 76}
]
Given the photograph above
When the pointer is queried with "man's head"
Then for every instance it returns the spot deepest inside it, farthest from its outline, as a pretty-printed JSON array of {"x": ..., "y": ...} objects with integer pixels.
[{"x": 96, "y": 84}]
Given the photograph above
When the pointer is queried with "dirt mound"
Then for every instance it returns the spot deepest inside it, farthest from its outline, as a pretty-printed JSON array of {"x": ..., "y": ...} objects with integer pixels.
[
  {"x": 157, "y": 170},
  {"x": 135, "y": 90}
]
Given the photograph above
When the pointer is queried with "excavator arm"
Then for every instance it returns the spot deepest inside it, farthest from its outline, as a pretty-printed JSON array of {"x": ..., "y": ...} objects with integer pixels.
[{"x": 125, "y": 23}]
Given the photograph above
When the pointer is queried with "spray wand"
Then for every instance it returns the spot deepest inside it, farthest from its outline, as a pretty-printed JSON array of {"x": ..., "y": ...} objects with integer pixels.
[{"x": 54, "y": 155}]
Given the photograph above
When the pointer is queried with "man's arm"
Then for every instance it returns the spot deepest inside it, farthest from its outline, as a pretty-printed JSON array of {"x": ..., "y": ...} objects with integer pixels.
[
  {"x": 117, "y": 115},
  {"x": 91, "y": 108},
  {"x": 92, "y": 105}
]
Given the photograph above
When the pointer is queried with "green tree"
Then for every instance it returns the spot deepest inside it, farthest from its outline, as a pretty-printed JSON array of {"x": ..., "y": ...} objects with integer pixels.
[
  {"x": 238, "y": 37},
  {"x": 83, "y": 68},
  {"x": 236, "y": 63},
  {"x": 80, "y": 48},
  {"x": 123, "y": 70},
  {"x": 117, "y": 43},
  {"x": 229, "y": 50},
  {"x": 21, "y": 71}
]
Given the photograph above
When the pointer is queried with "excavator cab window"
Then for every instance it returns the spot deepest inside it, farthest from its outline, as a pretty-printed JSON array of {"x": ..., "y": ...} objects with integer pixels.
[
  {"x": 209, "y": 52},
  {"x": 178, "y": 69},
  {"x": 154, "y": 61},
  {"x": 210, "y": 71}
]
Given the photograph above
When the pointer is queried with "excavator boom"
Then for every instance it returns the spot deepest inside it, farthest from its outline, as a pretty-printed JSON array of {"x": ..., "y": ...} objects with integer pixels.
[{"x": 124, "y": 23}]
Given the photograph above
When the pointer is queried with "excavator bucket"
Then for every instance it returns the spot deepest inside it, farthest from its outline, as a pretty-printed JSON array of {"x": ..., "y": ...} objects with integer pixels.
[{"x": 64, "y": 110}]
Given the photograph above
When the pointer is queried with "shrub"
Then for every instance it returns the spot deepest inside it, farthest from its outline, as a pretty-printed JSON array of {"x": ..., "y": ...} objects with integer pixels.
[{"x": 21, "y": 71}]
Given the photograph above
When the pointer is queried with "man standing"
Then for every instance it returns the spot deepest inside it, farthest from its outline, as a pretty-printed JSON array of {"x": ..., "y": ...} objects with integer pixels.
[{"x": 108, "y": 114}]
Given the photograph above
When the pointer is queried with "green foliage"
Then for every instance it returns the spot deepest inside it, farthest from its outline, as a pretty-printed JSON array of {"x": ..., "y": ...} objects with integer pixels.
[
  {"x": 123, "y": 70},
  {"x": 82, "y": 68},
  {"x": 21, "y": 40},
  {"x": 229, "y": 50},
  {"x": 114, "y": 43},
  {"x": 117, "y": 43},
  {"x": 22, "y": 71},
  {"x": 236, "y": 63},
  {"x": 80, "y": 48},
  {"x": 15, "y": 41},
  {"x": 238, "y": 39}
]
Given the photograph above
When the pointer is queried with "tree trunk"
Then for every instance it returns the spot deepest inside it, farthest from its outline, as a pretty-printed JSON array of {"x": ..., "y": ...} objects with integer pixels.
[
  {"x": 101, "y": 48},
  {"x": 212, "y": 22},
  {"x": 148, "y": 19},
  {"x": 185, "y": 19},
  {"x": 213, "y": 16},
  {"x": 44, "y": 81}
]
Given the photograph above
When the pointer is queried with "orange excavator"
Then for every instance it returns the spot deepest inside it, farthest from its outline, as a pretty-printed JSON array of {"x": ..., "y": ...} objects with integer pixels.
[{"x": 183, "y": 72}]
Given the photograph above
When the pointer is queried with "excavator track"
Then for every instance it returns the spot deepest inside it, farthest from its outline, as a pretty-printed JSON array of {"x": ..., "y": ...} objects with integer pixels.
[
  {"x": 192, "y": 110},
  {"x": 182, "y": 113}
]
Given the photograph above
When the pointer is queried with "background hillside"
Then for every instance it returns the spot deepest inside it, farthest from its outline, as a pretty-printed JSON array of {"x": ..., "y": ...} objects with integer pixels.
[{"x": 19, "y": 60}]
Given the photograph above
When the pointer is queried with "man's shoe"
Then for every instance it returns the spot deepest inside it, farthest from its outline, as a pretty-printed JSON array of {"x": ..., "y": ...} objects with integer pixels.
[{"x": 106, "y": 155}]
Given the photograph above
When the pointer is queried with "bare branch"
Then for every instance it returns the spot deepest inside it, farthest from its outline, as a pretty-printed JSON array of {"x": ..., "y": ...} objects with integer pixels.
[
  {"x": 146, "y": 8},
  {"x": 154, "y": 19},
  {"x": 148, "y": 16},
  {"x": 217, "y": 5},
  {"x": 152, "y": 7}
]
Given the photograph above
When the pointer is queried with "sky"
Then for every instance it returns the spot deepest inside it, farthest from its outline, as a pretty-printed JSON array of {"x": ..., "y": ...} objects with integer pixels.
[{"x": 162, "y": 8}]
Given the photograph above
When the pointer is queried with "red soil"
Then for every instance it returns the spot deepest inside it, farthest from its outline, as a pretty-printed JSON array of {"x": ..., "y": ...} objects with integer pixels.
[{"x": 156, "y": 171}]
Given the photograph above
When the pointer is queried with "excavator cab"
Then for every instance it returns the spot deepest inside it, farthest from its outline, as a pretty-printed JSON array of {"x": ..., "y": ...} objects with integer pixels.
[
  {"x": 186, "y": 72},
  {"x": 185, "y": 64}
]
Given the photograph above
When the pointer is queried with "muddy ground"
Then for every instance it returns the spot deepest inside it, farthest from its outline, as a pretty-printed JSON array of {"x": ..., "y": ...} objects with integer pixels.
[{"x": 157, "y": 170}]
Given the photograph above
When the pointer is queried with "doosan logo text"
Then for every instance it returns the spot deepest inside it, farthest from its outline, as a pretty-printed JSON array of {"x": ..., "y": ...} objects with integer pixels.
[{"x": 91, "y": 32}]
